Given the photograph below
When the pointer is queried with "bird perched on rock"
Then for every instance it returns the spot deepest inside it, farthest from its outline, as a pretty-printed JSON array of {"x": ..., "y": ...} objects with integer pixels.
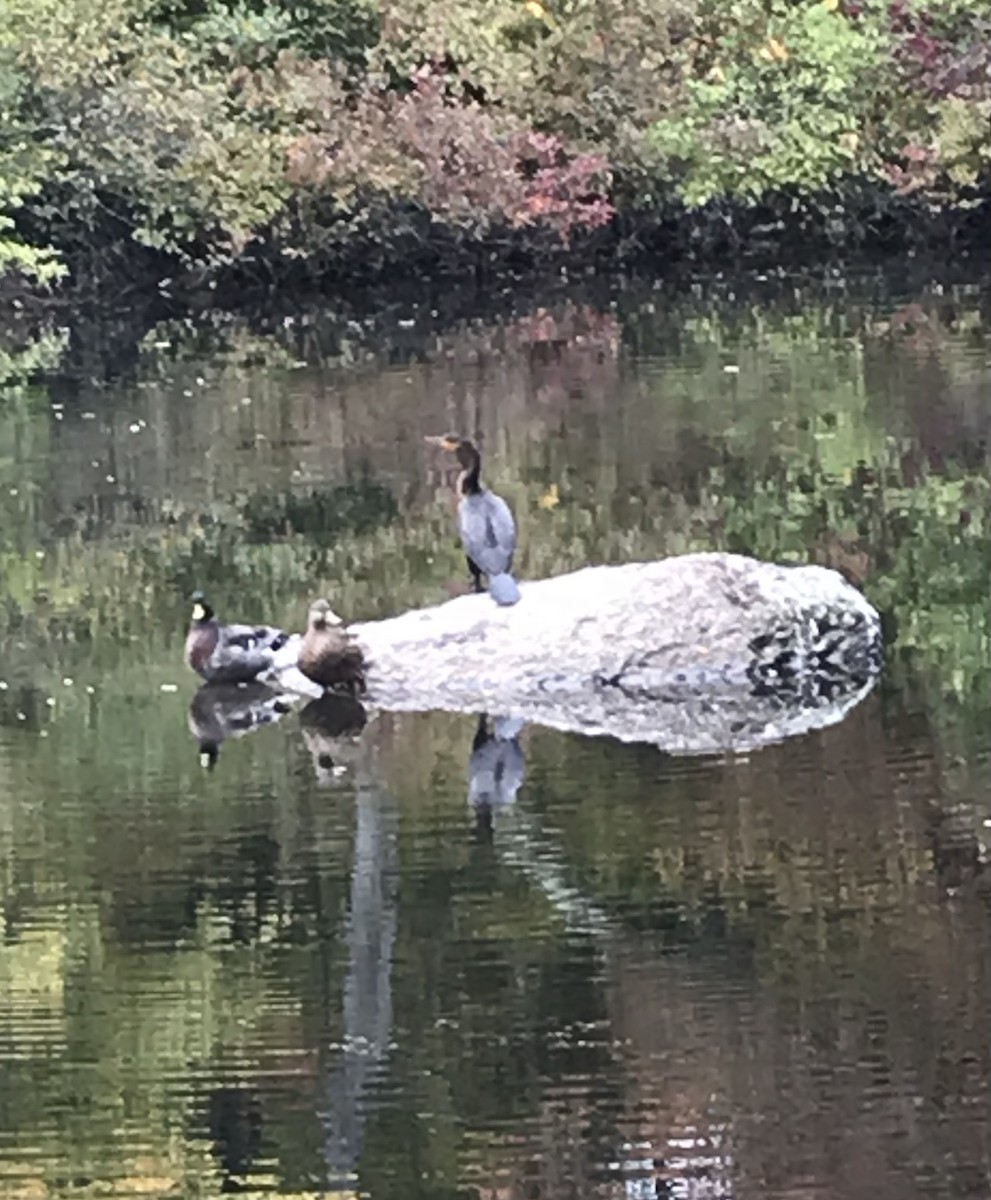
[
  {"x": 328, "y": 655},
  {"x": 229, "y": 653},
  {"x": 485, "y": 522}
]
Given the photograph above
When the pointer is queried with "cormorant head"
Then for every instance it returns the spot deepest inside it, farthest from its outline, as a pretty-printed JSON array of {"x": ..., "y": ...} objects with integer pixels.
[
  {"x": 446, "y": 441},
  {"x": 322, "y": 615},
  {"x": 464, "y": 448},
  {"x": 201, "y": 608}
]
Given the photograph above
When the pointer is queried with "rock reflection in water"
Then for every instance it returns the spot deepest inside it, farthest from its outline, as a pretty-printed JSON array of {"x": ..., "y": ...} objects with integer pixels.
[
  {"x": 371, "y": 933},
  {"x": 725, "y": 720}
]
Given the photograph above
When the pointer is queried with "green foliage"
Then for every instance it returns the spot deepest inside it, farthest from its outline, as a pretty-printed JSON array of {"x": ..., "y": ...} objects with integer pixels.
[
  {"x": 214, "y": 133},
  {"x": 244, "y": 35},
  {"x": 597, "y": 73},
  {"x": 143, "y": 130},
  {"x": 23, "y": 164},
  {"x": 962, "y": 137},
  {"x": 784, "y": 102},
  {"x": 19, "y": 364},
  {"x": 338, "y": 29}
]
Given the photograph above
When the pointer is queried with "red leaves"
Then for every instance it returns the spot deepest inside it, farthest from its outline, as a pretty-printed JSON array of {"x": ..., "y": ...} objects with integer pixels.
[
  {"x": 468, "y": 164},
  {"x": 918, "y": 168},
  {"x": 950, "y": 64},
  {"x": 563, "y": 190}
]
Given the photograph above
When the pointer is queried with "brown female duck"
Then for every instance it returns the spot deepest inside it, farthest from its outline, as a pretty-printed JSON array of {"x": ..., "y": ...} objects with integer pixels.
[{"x": 327, "y": 654}]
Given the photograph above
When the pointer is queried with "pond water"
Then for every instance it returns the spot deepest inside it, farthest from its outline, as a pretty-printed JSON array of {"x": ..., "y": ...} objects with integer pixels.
[{"x": 321, "y": 967}]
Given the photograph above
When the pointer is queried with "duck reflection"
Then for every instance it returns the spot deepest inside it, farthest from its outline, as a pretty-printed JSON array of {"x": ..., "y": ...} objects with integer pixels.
[
  {"x": 330, "y": 725},
  {"x": 221, "y": 711},
  {"x": 331, "y": 728}
]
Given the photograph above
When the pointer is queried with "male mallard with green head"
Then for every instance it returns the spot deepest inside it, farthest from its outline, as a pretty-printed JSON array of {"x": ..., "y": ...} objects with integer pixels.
[
  {"x": 229, "y": 653},
  {"x": 328, "y": 655}
]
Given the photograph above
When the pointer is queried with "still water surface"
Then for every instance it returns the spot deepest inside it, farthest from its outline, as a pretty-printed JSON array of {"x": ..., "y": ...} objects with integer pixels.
[{"x": 324, "y": 967}]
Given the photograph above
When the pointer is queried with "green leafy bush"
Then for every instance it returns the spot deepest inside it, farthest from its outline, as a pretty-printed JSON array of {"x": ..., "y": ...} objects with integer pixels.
[
  {"x": 784, "y": 101},
  {"x": 599, "y": 74},
  {"x": 339, "y": 29},
  {"x": 798, "y": 96},
  {"x": 207, "y": 133}
]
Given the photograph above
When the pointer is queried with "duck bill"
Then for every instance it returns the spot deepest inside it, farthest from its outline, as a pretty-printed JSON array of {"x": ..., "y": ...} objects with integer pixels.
[{"x": 320, "y": 618}]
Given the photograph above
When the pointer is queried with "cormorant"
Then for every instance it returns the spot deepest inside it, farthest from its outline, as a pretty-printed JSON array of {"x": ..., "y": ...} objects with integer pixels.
[{"x": 486, "y": 525}]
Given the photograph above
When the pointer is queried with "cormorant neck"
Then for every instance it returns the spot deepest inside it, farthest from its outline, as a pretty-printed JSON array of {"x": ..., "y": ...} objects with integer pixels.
[{"x": 470, "y": 482}]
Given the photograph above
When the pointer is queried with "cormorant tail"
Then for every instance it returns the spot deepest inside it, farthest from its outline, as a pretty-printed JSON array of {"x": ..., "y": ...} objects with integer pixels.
[{"x": 503, "y": 589}]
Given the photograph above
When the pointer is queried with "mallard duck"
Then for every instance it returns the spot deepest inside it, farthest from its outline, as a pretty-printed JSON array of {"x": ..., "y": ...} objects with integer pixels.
[
  {"x": 327, "y": 654},
  {"x": 485, "y": 522},
  {"x": 229, "y": 653}
]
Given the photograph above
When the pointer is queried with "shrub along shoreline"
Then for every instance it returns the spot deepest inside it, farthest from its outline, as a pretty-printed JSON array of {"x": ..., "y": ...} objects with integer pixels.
[{"x": 244, "y": 144}]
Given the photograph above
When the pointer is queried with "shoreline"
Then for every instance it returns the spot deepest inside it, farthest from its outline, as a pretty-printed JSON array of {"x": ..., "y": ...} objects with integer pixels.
[
  {"x": 419, "y": 253},
  {"x": 83, "y": 325}
]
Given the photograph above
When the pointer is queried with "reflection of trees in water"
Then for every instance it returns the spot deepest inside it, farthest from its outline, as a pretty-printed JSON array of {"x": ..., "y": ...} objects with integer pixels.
[
  {"x": 844, "y": 1021},
  {"x": 793, "y": 1003},
  {"x": 656, "y": 455},
  {"x": 844, "y": 1048},
  {"x": 815, "y": 1089},
  {"x": 551, "y": 370},
  {"x": 234, "y": 1118},
  {"x": 806, "y": 998},
  {"x": 322, "y": 515},
  {"x": 237, "y": 876}
]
